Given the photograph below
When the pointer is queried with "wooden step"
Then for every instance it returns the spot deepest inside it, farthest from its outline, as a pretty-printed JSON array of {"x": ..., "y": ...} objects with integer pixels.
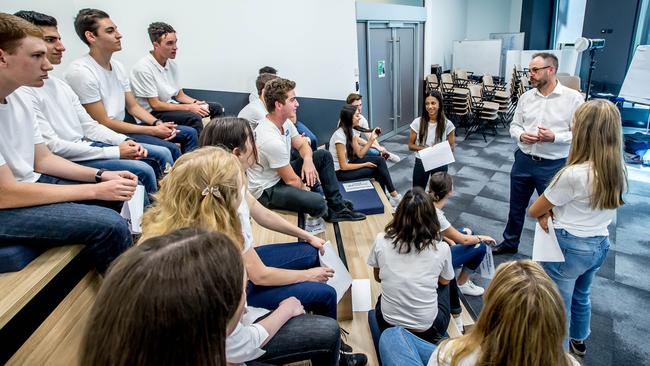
[
  {"x": 18, "y": 288},
  {"x": 262, "y": 235}
]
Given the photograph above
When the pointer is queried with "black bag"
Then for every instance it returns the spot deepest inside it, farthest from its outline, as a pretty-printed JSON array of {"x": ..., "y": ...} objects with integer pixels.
[{"x": 636, "y": 142}]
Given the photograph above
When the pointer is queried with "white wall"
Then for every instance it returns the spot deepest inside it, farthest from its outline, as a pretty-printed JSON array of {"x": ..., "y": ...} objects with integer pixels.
[
  {"x": 493, "y": 16},
  {"x": 570, "y": 19},
  {"x": 447, "y": 23},
  {"x": 222, "y": 44}
]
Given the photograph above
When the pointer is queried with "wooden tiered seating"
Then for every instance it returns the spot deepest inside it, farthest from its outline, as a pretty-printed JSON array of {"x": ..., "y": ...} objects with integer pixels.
[{"x": 265, "y": 236}]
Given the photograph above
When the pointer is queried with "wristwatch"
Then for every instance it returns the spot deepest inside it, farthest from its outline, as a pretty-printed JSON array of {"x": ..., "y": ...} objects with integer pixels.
[{"x": 98, "y": 175}]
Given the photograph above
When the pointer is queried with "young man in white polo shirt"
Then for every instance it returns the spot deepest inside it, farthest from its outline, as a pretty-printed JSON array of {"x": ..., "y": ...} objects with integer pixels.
[
  {"x": 155, "y": 83},
  {"x": 69, "y": 131},
  {"x": 281, "y": 183},
  {"x": 36, "y": 204},
  {"x": 104, "y": 89}
]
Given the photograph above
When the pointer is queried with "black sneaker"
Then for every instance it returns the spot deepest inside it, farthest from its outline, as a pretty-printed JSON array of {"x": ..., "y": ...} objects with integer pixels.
[
  {"x": 503, "y": 249},
  {"x": 353, "y": 359},
  {"x": 348, "y": 204},
  {"x": 344, "y": 346},
  {"x": 578, "y": 348},
  {"x": 345, "y": 215}
]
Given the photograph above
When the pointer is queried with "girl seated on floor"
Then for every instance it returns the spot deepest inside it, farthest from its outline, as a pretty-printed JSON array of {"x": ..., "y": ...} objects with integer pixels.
[
  {"x": 414, "y": 268},
  {"x": 192, "y": 280},
  {"x": 431, "y": 128},
  {"x": 376, "y": 149},
  {"x": 350, "y": 154},
  {"x": 467, "y": 250},
  {"x": 521, "y": 323},
  {"x": 205, "y": 189}
]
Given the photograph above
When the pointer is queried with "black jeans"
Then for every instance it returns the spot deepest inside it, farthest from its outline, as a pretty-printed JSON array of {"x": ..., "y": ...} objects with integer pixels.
[
  {"x": 305, "y": 337},
  {"x": 440, "y": 323},
  {"x": 380, "y": 173},
  {"x": 284, "y": 197},
  {"x": 187, "y": 118},
  {"x": 420, "y": 177}
]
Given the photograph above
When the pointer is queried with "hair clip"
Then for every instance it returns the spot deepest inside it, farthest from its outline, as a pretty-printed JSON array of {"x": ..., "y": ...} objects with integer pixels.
[{"x": 211, "y": 190}]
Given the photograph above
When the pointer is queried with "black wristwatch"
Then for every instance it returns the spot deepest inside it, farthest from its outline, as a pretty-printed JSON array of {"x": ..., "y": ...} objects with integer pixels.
[{"x": 98, "y": 175}]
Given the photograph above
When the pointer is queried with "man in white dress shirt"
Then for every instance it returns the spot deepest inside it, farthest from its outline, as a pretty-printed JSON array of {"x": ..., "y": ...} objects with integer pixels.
[{"x": 542, "y": 128}]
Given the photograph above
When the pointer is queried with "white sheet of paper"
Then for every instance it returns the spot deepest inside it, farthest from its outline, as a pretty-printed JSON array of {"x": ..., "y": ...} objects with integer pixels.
[
  {"x": 357, "y": 186},
  {"x": 133, "y": 209},
  {"x": 361, "y": 295},
  {"x": 342, "y": 279},
  {"x": 436, "y": 156},
  {"x": 545, "y": 245}
]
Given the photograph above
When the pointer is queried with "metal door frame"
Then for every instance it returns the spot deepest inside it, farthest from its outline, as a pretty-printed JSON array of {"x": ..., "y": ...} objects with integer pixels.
[{"x": 393, "y": 26}]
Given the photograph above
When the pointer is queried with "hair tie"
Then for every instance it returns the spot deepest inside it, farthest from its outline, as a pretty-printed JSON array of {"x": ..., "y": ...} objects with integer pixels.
[{"x": 214, "y": 190}]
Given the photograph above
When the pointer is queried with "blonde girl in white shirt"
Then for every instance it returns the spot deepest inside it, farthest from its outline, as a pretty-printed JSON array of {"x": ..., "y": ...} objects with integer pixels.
[{"x": 582, "y": 200}]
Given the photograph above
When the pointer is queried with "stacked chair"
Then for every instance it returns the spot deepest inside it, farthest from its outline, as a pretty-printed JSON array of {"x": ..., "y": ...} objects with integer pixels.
[
  {"x": 496, "y": 92},
  {"x": 456, "y": 100},
  {"x": 431, "y": 83},
  {"x": 485, "y": 114}
]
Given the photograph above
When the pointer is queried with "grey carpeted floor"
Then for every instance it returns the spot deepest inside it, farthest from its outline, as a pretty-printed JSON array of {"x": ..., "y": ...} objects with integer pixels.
[{"x": 620, "y": 322}]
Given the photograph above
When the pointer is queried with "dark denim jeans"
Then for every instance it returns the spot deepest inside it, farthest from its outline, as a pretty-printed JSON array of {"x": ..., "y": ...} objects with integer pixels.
[
  {"x": 284, "y": 197},
  {"x": 317, "y": 297},
  {"x": 305, "y": 337},
  {"x": 191, "y": 119},
  {"x": 583, "y": 257},
  {"x": 380, "y": 173},
  {"x": 185, "y": 135},
  {"x": 420, "y": 177},
  {"x": 526, "y": 176},
  {"x": 104, "y": 232},
  {"x": 439, "y": 327}
]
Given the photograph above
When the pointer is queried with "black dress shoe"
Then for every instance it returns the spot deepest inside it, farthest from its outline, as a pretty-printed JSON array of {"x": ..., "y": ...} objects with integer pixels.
[
  {"x": 353, "y": 359},
  {"x": 503, "y": 249},
  {"x": 345, "y": 215}
]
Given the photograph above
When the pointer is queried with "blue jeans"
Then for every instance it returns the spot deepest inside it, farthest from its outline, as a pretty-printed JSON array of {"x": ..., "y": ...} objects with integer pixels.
[
  {"x": 399, "y": 347},
  {"x": 145, "y": 173},
  {"x": 104, "y": 232},
  {"x": 468, "y": 256},
  {"x": 304, "y": 130},
  {"x": 582, "y": 259},
  {"x": 526, "y": 176},
  {"x": 373, "y": 152},
  {"x": 185, "y": 135},
  {"x": 317, "y": 297}
]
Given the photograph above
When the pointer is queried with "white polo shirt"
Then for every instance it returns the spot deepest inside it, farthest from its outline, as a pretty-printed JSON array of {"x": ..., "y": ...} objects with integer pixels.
[
  {"x": 93, "y": 83},
  {"x": 149, "y": 79},
  {"x": 554, "y": 111},
  {"x": 19, "y": 135},
  {"x": 68, "y": 130},
  {"x": 274, "y": 151},
  {"x": 409, "y": 282},
  {"x": 570, "y": 195},
  {"x": 254, "y": 112}
]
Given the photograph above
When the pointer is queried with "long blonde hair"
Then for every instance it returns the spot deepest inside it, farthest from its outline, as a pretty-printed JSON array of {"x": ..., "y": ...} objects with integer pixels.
[
  {"x": 522, "y": 321},
  {"x": 201, "y": 191},
  {"x": 598, "y": 140}
]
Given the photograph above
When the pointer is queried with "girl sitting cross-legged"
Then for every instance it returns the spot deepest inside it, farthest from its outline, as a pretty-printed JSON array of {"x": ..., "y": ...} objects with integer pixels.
[{"x": 414, "y": 268}]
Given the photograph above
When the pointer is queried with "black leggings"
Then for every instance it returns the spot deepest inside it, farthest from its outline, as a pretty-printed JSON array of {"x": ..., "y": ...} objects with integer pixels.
[
  {"x": 439, "y": 327},
  {"x": 420, "y": 177},
  {"x": 380, "y": 173}
]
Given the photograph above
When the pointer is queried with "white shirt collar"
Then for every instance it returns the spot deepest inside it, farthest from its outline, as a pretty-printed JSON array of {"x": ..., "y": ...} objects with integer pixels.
[{"x": 155, "y": 62}]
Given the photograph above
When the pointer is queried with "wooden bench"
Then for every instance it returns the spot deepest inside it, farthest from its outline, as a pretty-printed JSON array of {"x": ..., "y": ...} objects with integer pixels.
[{"x": 263, "y": 235}]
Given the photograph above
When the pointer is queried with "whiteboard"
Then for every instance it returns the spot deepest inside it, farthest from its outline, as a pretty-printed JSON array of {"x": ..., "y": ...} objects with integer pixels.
[
  {"x": 480, "y": 57},
  {"x": 636, "y": 86},
  {"x": 509, "y": 41}
]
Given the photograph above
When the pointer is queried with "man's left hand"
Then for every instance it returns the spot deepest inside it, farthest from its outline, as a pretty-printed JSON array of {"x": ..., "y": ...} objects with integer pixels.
[
  {"x": 545, "y": 134},
  {"x": 309, "y": 173}
]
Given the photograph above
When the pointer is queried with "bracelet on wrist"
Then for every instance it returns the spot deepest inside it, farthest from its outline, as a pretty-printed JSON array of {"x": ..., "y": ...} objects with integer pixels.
[
  {"x": 157, "y": 122},
  {"x": 98, "y": 175}
]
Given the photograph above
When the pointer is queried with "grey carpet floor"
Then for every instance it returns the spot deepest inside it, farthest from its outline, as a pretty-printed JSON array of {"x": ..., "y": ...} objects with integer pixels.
[{"x": 620, "y": 325}]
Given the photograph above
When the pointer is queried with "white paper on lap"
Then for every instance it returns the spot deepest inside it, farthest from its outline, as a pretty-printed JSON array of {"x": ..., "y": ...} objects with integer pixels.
[
  {"x": 545, "y": 245},
  {"x": 436, "y": 156},
  {"x": 342, "y": 279}
]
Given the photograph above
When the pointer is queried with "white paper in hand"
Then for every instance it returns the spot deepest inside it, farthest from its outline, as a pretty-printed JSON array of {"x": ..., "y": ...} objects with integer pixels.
[
  {"x": 133, "y": 209},
  {"x": 342, "y": 279},
  {"x": 545, "y": 246},
  {"x": 436, "y": 156}
]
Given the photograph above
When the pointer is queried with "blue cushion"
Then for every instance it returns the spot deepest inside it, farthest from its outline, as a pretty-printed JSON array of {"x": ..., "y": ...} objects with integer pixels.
[
  {"x": 366, "y": 201},
  {"x": 15, "y": 257}
]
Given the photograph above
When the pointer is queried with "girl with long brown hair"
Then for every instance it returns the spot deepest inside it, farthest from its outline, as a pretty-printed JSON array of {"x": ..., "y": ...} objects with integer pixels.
[
  {"x": 431, "y": 128},
  {"x": 582, "y": 200}
]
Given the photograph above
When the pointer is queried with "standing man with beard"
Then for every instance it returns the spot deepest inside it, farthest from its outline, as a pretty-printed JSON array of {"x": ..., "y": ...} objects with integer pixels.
[{"x": 542, "y": 128}]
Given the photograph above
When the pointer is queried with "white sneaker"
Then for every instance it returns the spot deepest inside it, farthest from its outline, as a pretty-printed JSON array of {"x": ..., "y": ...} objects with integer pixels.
[
  {"x": 459, "y": 323},
  {"x": 394, "y": 201},
  {"x": 471, "y": 289},
  {"x": 394, "y": 158}
]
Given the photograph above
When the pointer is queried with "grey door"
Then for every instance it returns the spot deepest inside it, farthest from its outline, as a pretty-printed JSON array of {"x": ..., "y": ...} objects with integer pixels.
[{"x": 392, "y": 53}]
